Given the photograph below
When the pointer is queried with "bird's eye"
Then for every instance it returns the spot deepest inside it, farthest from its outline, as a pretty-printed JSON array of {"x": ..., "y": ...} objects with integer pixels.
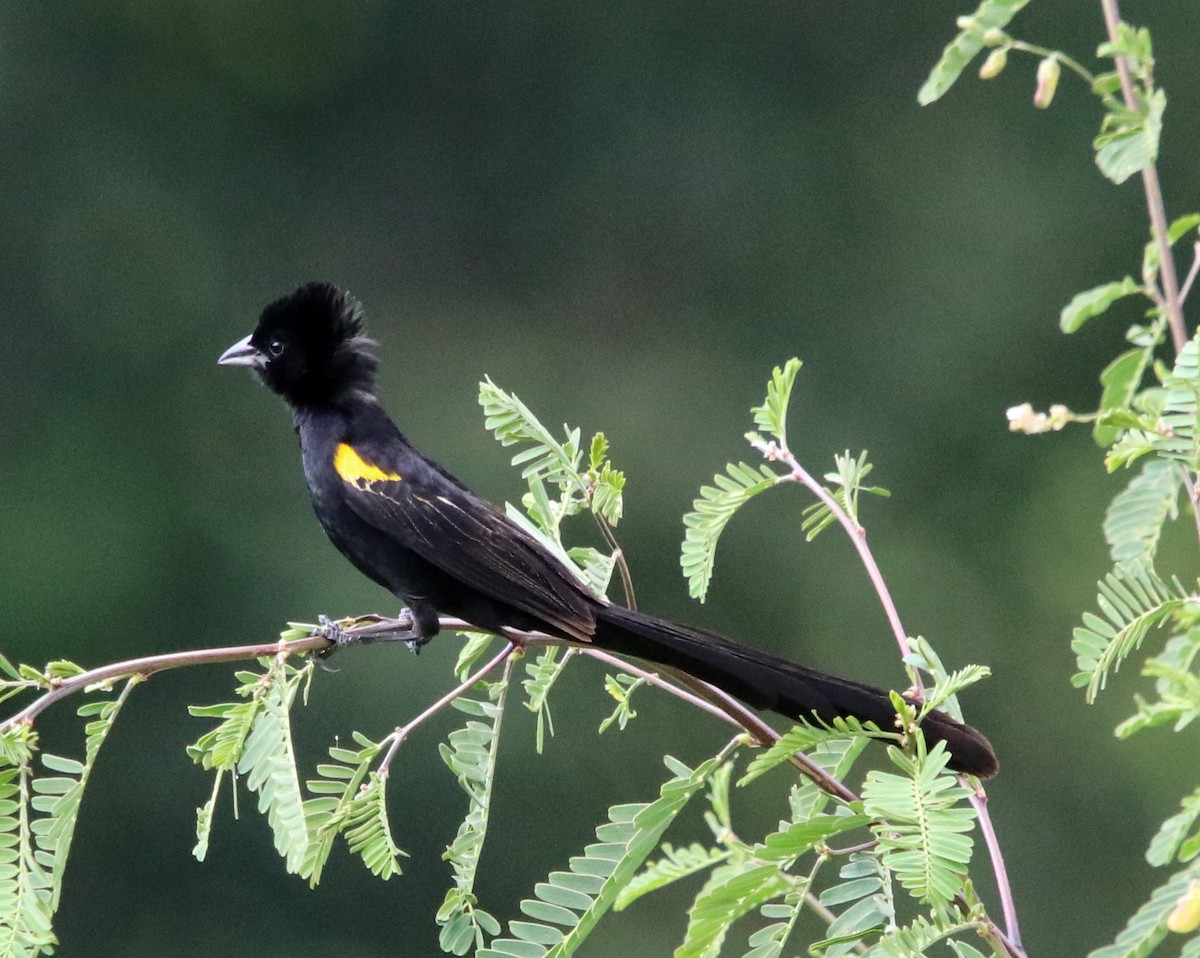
[{"x": 275, "y": 348}]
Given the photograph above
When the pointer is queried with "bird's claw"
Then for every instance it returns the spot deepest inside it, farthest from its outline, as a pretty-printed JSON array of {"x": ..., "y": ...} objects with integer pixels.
[{"x": 330, "y": 630}]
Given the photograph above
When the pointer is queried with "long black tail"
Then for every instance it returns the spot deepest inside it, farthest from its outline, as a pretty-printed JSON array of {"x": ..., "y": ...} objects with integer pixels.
[{"x": 766, "y": 682}]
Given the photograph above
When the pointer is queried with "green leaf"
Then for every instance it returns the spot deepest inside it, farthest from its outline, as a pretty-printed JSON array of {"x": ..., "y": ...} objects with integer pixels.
[
  {"x": 710, "y": 514},
  {"x": 597, "y": 877},
  {"x": 473, "y": 649},
  {"x": 772, "y": 414},
  {"x": 1179, "y": 438},
  {"x": 268, "y": 762},
  {"x": 543, "y": 671},
  {"x": 367, "y": 830},
  {"x": 992, "y": 14},
  {"x": 921, "y": 824},
  {"x": 349, "y": 800},
  {"x": 471, "y": 756},
  {"x": 1173, "y": 832},
  {"x": 731, "y": 892},
  {"x": 513, "y": 423},
  {"x": 799, "y": 837},
  {"x": 1120, "y": 379},
  {"x": 675, "y": 864},
  {"x": 1093, "y": 302},
  {"x": 1128, "y": 140},
  {"x": 1181, "y": 226},
  {"x": 1135, "y": 518},
  {"x": 1148, "y": 925},
  {"x": 1133, "y": 601},
  {"x": 845, "y": 486}
]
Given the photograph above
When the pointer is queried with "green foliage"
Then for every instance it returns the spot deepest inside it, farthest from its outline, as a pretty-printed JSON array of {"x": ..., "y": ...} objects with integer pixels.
[
  {"x": 268, "y": 763},
  {"x": 598, "y": 487},
  {"x": 1179, "y": 439},
  {"x": 1133, "y": 601},
  {"x": 254, "y": 738},
  {"x": 1136, "y": 516},
  {"x": 1176, "y": 684},
  {"x": 710, "y": 514},
  {"x": 922, "y": 934},
  {"x": 733, "y": 891},
  {"x": 921, "y": 825},
  {"x": 676, "y": 863},
  {"x": 736, "y": 486},
  {"x": 543, "y": 671},
  {"x": 1094, "y": 302},
  {"x": 991, "y": 15},
  {"x": 946, "y": 684},
  {"x": 569, "y": 904},
  {"x": 1148, "y": 926},
  {"x": 807, "y": 738},
  {"x": 846, "y": 485},
  {"x": 798, "y": 837},
  {"x": 471, "y": 756},
  {"x": 349, "y": 799},
  {"x": 38, "y": 816},
  {"x": 772, "y": 414},
  {"x": 621, "y": 687},
  {"x": 1175, "y": 838}
]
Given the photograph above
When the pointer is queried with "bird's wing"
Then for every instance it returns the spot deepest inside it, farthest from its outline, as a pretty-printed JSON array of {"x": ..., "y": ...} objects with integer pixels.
[{"x": 417, "y": 503}]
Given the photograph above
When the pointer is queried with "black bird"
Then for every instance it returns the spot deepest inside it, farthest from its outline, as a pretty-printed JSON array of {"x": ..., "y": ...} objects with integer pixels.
[{"x": 420, "y": 533}]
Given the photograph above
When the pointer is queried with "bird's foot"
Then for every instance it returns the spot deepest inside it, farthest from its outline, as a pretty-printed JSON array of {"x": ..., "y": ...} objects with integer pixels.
[{"x": 407, "y": 630}]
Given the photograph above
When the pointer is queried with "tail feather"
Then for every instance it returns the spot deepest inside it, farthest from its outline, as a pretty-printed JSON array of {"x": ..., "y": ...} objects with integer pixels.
[{"x": 764, "y": 681}]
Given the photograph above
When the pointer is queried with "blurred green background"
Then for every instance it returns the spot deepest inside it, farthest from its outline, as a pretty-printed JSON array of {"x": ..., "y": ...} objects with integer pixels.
[{"x": 626, "y": 213}]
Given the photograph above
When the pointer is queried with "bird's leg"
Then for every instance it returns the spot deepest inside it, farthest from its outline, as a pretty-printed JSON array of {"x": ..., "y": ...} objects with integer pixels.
[
  {"x": 425, "y": 624},
  {"x": 405, "y": 630}
]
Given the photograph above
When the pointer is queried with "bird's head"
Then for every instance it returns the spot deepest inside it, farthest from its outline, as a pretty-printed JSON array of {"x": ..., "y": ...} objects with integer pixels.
[{"x": 310, "y": 347}]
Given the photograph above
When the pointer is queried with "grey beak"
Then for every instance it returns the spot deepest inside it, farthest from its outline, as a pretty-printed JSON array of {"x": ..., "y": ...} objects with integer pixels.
[{"x": 241, "y": 353}]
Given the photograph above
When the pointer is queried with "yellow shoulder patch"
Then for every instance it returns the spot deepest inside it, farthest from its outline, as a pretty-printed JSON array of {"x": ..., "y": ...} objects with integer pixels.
[{"x": 354, "y": 469}]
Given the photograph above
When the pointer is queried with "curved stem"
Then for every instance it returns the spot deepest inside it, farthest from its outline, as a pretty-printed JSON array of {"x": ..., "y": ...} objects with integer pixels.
[
  {"x": 1007, "y": 905},
  {"x": 1073, "y": 65},
  {"x": 858, "y": 536},
  {"x": 403, "y": 731},
  {"x": 149, "y": 664},
  {"x": 1172, "y": 301}
]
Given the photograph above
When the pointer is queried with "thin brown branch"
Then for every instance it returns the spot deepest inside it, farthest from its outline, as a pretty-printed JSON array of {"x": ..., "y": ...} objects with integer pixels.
[
  {"x": 1008, "y": 906},
  {"x": 653, "y": 678},
  {"x": 858, "y": 537},
  {"x": 1191, "y": 276},
  {"x": 150, "y": 664},
  {"x": 403, "y": 731},
  {"x": 1172, "y": 300},
  {"x": 619, "y": 557}
]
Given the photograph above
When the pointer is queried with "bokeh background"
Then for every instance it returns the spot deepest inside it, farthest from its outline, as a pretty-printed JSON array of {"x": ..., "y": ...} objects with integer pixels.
[{"x": 627, "y": 213}]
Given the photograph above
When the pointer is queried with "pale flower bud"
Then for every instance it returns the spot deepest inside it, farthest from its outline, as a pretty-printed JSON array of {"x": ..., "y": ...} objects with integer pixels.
[
  {"x": 1185, "y": 916},
  {"x": 1048, "y": 72},
  {"x": 1022, "y": 418},
  {"x": 993, "y": 64}
]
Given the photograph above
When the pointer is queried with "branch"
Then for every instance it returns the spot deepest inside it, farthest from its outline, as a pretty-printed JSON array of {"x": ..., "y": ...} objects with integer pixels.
[
  {"x": 1011, "y": 938},
  {"x": 148, "y": 665},
  {"x": 775, "y": 452},
  {"x": 1172, "y": 301},
  {"x": 403, "y": 731}
]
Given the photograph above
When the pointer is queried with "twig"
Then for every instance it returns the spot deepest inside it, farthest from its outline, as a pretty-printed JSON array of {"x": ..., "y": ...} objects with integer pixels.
[
  {"x": 1172, "y": 300},
  {"x": 619, "y": 557},
  {"x": 403, "y": 731},
  {"x": 653, "y": 678},
  {"x": 1007, "y": 905},
  {"x": 148, "y": 665},
  {"x": 1191, "y": 276},
  {"x": 858, "y": 536}
]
